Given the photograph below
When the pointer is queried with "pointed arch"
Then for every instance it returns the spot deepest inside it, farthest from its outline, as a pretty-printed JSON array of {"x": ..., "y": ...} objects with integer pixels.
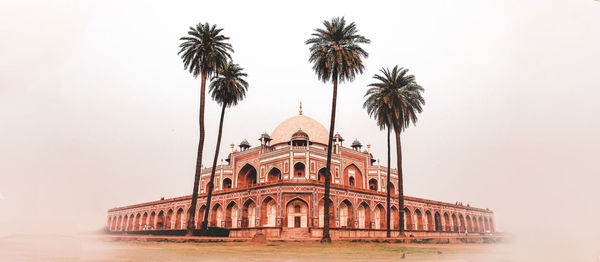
[
  {"x": 144, "y": 225},
  {"x": 274, "y": 175},
  {"x": 346, "y": 214},
  {"x": 447, "y": 222},
  {"x": 217, "y": 216},
  {"x": 200, "y": 215},
  {"x": 462, "y": 225},
  {"x": 268, "y": 212},
  {"x": 321, "y": 175},
  {"x": 379, "y": 217},
  {"x": 160, "y": 220},
  {"x": 408, "y": 219},
  {"x": 353, "y": 176},
  {"x": 438, "y": 222},
  {"x": 469, "y": 224},
  {"x": 178, "y": 219},
  {"x": 364, "y": 215},
  {"x": 430, "y": 223},
  {"x": 152, "y": 221},
  {"x": 169, "y": 219},
  {"x": 297, "y": 213},
  {"x": 249, "y": 214},
  {"x": 322, "y": 213},
  {"x": 455, "y": 224},
  {"x": 299, "y": 169},
  {"x": 247, "y": 176},
  {"x": 373, "y": 184},
  {"x": 419, "y": 223},
  {"x": 231, "y": 215},
  {"x": 226, "y": 183}
]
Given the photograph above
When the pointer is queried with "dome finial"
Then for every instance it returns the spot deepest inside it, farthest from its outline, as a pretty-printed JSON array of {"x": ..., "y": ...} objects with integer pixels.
[{"x": 300, "y": 107}]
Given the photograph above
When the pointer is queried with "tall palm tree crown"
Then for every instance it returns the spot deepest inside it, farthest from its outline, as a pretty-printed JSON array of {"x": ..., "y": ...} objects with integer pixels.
[
  {"x": 337, "y": 56},
  {"x": 204, "y": 50},
  {"x": 229, "y": 87},
  {"x": 335, "y": 51},
  {"x": 394, "y": 101}
]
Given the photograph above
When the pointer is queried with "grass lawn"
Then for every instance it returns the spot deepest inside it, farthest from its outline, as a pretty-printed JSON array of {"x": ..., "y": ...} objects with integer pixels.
[{"x": 77, "y": 248}]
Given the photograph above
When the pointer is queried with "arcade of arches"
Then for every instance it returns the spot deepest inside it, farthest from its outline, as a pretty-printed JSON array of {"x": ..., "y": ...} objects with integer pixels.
[{"x": 279, "y": 185}]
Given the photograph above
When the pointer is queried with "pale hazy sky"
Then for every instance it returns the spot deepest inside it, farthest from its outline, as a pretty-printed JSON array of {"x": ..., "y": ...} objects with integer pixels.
[{"x": 96, "y": 110}]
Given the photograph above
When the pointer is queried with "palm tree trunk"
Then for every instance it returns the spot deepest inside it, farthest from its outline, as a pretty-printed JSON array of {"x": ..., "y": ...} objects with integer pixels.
[
  {"x": 192, "y": 214},
  {"x": 400, "y": 183},
  {"x": 326, "y": 237},
  {"x": 212, "y": 173},
  {"x": 387, "y": 197}
]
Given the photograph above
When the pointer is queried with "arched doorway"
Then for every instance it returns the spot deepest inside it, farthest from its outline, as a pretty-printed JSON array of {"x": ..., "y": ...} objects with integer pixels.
[
  {"x": 393, "y": 189},
  {"x": 200, "y": 213},
  {"x": 438, "y": 222},
  {"x": 227, "y": 183},
  {"x": 430, "y": 222},
  {"x": 480, "y": 224},
  {"x": 364, "y": 216},
  {"x": 353, "y": 177},
  {"x": 268, "y": 212},
  {"x": 461, "y": 219},
  {"x": 169, "y": 219},
  {"x": 469, "y": 225},
  {"x": 373, "y": 184},
  {"x": 419, "y": 224},
  {"x": 299, "y": 170},
  {"x": 136, "y": 222},
  {"x": 297, "y": 213},
  {"x": 346, "y": 214},
  {"x": 231, "y": 214},
  {"x": 321, "y": 175},
  {"x": 379, "y": 217},
  {"x": 130, "y": 223},
  {"x": 249, "y": 214},
  {"x": 151, "y": 223},
  {"x": 119, "y": 226},
  {"x": 455, "y": 223},
  {"x": 487, "y": 225},
  {"x": 145, "y": 221},
  {"x": 178, "y": 218},
  {"x": 447, "y": 223},
  {"x": 274, "y": 175},
  {"x": 322, "y": 213},
  {"x": 246, "y": 176},
  {"x": 408, "y": 220},
  {"x": 160, "y": 220},
  {"x": 216, "y": 218}
]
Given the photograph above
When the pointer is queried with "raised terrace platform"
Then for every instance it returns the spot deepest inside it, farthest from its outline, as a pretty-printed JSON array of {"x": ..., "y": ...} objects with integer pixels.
[{"x": 278, "y": 188}]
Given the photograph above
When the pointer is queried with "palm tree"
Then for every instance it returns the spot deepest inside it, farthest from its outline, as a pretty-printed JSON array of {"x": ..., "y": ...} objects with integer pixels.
[
  {"x": 203, "y": 51},
  {"x": 337, "y": 56},
  {"x": 227, "y": 88},
  {"x": 397, "y": 96},
  {"x": 377, "y": 106}
]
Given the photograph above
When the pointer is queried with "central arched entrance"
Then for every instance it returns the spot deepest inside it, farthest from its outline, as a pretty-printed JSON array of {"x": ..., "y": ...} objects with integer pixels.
[{"x": 297, "y": 213}]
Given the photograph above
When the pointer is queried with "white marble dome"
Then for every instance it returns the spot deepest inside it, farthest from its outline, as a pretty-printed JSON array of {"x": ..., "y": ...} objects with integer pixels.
[{"x": 315, "y": 130}]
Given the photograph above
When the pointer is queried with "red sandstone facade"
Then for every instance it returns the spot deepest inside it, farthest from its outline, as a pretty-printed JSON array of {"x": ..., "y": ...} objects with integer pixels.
[{"x": 277, "y": 188}]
